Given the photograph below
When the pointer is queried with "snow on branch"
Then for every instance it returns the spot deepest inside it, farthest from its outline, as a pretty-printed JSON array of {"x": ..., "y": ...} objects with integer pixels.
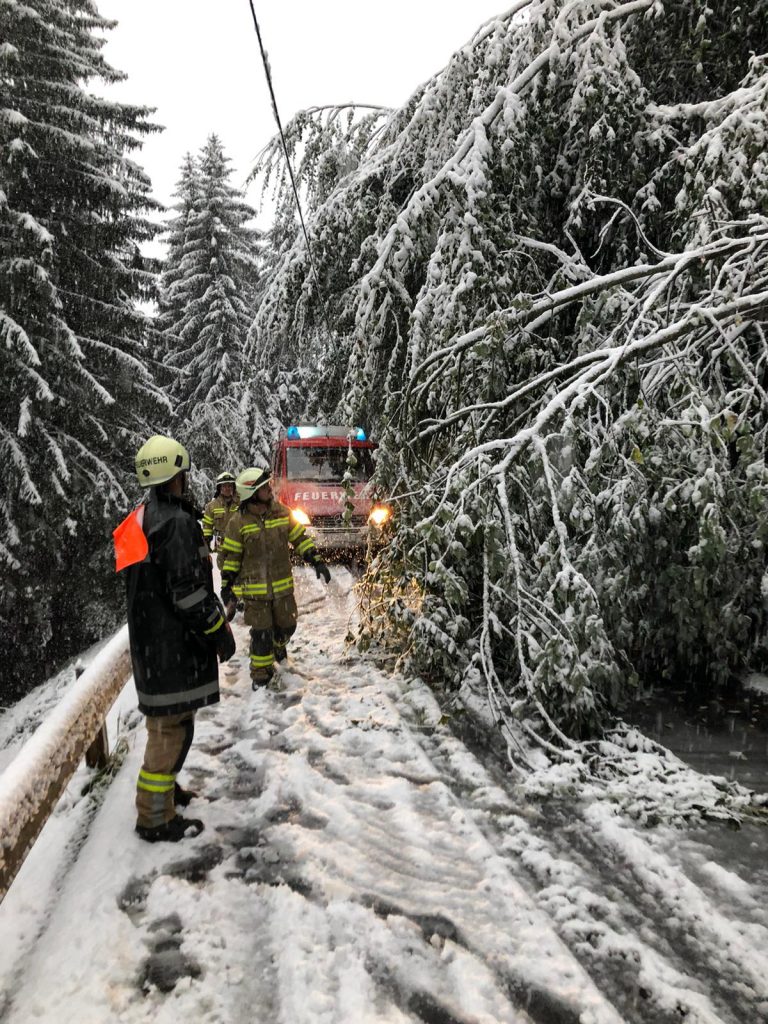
[{"x": 549, "y": 281}]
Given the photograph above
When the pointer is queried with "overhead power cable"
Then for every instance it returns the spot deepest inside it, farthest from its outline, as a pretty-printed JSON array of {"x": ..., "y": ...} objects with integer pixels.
[{"x": 276, "y": 112}]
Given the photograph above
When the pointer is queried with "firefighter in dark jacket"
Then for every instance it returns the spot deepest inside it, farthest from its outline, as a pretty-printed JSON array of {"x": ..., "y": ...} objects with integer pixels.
[
  {"x": 257, "y": 569},
  {"x": 176, "y": 631}
]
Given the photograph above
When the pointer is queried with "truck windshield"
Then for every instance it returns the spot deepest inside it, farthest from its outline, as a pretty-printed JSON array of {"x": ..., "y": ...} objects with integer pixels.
[{"x": 328, "y": 465}]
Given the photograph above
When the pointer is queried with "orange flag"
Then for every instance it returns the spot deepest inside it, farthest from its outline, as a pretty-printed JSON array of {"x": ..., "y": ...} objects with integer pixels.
[{"x": 130, "y": 541}]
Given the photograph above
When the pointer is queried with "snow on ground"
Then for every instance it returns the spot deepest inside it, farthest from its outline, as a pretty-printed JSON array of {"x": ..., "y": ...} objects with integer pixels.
[
  {"x": 756, "y": 681},
  {"x": 360, "y": 864}
]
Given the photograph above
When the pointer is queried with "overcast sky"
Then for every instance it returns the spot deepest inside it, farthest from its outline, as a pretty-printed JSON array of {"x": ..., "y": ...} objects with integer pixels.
[{"x": 198, "y": 63}]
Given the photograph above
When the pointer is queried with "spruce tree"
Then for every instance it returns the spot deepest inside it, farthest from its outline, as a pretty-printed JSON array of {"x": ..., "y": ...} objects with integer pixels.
[
  {"x": 207, "y": 305},
  {"x": 77, "y": 392},
  {"x": 171, "y": 288}
]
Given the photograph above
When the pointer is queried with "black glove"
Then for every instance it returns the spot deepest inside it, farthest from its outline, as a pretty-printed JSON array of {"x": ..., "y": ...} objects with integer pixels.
[
  {"x": 323, "y": 572},
  {"x": 229, "y": 601},
  {"x": 225, "y": 642}
]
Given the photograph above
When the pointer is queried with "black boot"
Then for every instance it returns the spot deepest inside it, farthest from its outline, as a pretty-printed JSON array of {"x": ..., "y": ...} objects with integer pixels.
[
  {"x": 183, "y": 797},
  {"x": 172, "y": 831},
  {"x": 261, "y": 678}
]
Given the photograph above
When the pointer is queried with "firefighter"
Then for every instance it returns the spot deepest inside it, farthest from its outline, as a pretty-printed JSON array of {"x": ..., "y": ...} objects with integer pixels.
[
  {"x": 176, "y": 630},
  {"x": 218, "y": 512},
  {"x": 257, "y": 569}
]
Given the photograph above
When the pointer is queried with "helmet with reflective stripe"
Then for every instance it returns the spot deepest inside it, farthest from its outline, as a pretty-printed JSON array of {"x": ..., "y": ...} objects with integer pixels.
[
  {"x": 224, "y": 478},
  {"x": 159, "y": 460},
  {"x": 250, "y": 480}
]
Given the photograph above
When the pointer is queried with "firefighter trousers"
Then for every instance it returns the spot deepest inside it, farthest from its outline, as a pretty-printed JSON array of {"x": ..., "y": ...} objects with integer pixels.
[
  {"x": 169, "y": 738},
  {"x": 272, "y": 623}
]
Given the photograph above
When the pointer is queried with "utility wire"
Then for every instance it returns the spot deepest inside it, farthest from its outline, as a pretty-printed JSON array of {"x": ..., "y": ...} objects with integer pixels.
[{"x": 276, "y": 112}]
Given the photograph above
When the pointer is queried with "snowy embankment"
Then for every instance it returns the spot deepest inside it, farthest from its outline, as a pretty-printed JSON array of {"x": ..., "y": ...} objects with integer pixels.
[{"x": 360, "y": 864}]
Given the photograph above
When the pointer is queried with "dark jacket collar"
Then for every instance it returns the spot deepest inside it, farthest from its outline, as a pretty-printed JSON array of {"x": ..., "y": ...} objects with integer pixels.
[{"x": 161, "y": 497}]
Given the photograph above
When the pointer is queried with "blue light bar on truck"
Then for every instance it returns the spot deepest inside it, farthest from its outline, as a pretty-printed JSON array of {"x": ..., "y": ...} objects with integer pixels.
[{"x": 305, "y": 432}]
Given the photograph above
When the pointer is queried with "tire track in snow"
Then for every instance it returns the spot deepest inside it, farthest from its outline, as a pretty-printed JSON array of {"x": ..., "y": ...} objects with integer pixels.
[
  {"x": 658, "y": 943},
  {"x": 393, "y": 848},
  {"x": 359, "y": 868},
  {"x": 657, "y": 955}
]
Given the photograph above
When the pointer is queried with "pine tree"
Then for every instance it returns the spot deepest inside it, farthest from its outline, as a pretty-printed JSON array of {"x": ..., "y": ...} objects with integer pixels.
[
  {"x": 207, "y": 311},
  {"x": 74, "y": 210},
  {"x": 170, "y": 301}
]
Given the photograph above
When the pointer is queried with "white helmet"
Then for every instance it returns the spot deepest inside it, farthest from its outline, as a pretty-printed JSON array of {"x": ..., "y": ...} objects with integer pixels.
[
  {"x": 159, "y": 460},
  {"x": 224, "y": 478},
  {"x": 250, "y": 480}
]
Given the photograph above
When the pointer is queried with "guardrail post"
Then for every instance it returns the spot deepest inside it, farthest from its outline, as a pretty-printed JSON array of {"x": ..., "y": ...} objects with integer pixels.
[{"x": 97, "y": 755}]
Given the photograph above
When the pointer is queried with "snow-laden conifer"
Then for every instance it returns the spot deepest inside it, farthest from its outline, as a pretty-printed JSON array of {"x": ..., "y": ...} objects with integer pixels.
[
  {"x": 170, "y": 301},
  {"x": 206, "y": 302},
  {"x": 77, "y": 392}
]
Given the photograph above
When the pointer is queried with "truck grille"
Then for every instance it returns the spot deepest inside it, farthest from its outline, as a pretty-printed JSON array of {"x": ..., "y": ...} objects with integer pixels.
[{"x": 336, "y": 522}]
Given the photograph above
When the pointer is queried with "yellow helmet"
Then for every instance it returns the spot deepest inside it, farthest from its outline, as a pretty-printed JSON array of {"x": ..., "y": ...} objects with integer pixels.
[
  {"x": 159, "y": 460},
  {"x": 250, "y": 480}
]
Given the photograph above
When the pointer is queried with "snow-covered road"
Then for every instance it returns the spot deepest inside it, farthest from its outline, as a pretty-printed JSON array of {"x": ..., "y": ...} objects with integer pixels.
[{"x": 360, "y": 864}]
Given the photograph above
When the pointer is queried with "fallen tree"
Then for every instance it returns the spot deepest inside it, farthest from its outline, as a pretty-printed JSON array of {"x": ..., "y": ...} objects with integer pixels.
[{"x": 548, "y": 281}]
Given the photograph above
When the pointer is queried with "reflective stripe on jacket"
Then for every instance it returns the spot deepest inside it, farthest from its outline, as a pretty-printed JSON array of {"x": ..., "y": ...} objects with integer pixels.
[
  {"x": 257, "y": 560},
  {"x": 217, "y": 514},
  {"x": 173, "y": 614}
]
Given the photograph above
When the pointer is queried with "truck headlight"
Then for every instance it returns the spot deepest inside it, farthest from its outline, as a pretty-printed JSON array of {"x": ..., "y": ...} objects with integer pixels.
[
  {"x": 301, "y": 517},
  {"x": 379, "y": 515}
]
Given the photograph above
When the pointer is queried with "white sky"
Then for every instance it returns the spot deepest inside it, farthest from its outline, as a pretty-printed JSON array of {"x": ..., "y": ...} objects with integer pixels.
[{"x": 198, "y": 63}]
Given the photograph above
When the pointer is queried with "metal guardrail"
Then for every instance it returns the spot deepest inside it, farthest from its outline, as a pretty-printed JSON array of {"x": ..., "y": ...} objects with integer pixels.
[{"x": 32, "y": 783}]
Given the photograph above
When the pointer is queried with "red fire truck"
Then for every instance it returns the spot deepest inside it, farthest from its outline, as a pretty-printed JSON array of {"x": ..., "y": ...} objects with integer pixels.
[{"x": 308, "y": 467}]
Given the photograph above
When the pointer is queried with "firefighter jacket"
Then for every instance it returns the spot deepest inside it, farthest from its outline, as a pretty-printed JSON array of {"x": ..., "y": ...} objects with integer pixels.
[
  {"x": 174, "y": 616},
  {"x": 257, "y": 560},
  {"x": 216, "y": 516}
]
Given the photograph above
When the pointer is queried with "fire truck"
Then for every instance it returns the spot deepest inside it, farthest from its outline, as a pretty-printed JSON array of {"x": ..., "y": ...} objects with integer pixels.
[{"x": 309, "y": 464}]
